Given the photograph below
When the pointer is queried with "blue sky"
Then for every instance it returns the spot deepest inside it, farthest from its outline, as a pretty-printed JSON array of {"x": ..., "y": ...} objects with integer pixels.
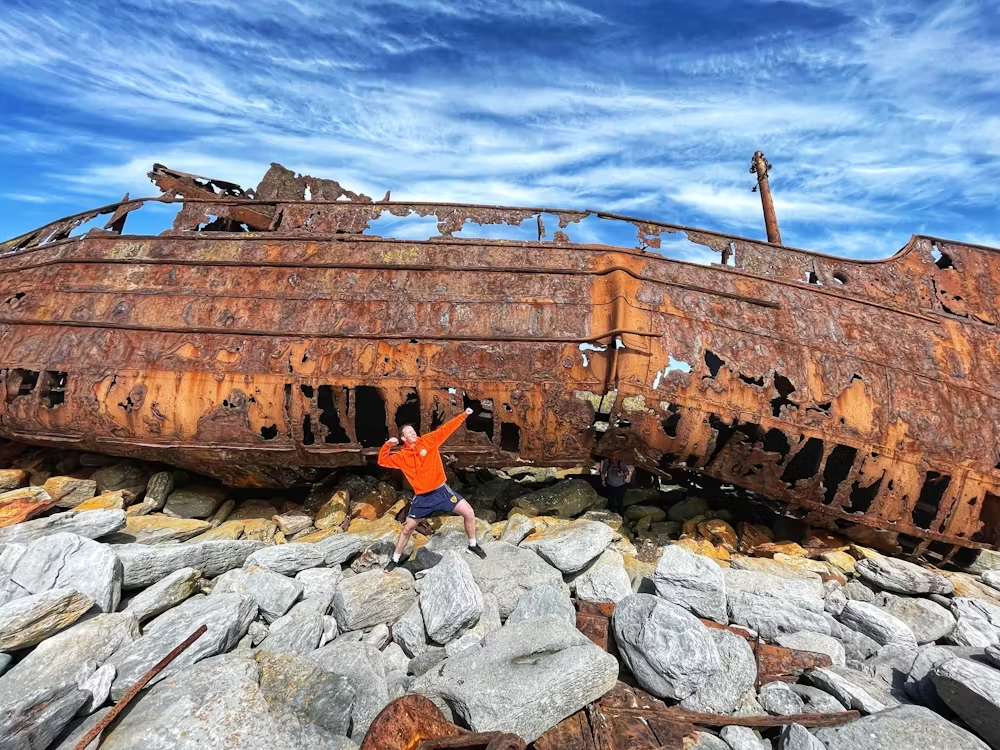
[{"x": 882, "y": 119}]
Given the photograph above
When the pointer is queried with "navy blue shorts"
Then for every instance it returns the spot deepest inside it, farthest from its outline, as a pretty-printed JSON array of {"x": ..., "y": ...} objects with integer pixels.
[{"x": 444, "y": 498}]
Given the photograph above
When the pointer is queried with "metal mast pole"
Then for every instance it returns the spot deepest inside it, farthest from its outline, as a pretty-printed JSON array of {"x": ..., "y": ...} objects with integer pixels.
[{"x": 760, "y": 167}]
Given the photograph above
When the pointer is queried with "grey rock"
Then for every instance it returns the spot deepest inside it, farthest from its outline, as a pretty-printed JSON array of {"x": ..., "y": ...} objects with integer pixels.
[
  {"x": 421, "y": 664},
  {"x": 339, "y": 548},
  {"x": 975, "y": 615},
  {"x": 972, "y": 632},
  {"x": 287, "y": 559},
  {"x": 91, "y": 524},
  {"x": 489, "y": 620},
  {"x": 742, "y": 738},
  {"x": 30, "y": 620},
  {"x": 509, "y": 571},
  {"x": 986, "y": 559},
  {"x": 158, "y": 489},
  {"x": 569, "y": 548},
  {"x": 395, "y": 658},
  {"x": 164, "y": 594},
  {"x": 608, "y": 583},
  {"x": 257, "y": 632},
  {"x": 778, "y": 699},
  {"x": 902, "y": 577},
  {"x": 450, "y": 600},
  {"x": 319, "y": 582},
  {"x": 99, "y": 686},
  {"x": 687, "y": 509},
  {"x": 771, "y": 617},
  {"x": 723, "y": 691},
  {"x": 704, "y": 741},
  {"x": 56, "y": 660},
  {"x": 145, "y": 564},
  {"x": 797, "y": 737},
  {"x": 900, "y": 728},
  {"x": 835, "y": 601},
  {"x": 972, "y": 691},
  {"x": 668, "y": 650},
  {"x": 195, "y": 501},
  {"x": 815, "y": 642},
  {"x": 804, "y": 593},
  {"x": 852, "y": 689},
  {"x": 296, "y": 633},
  {"x": 693, "y": 582},
  {"x": 67, "y": 561},
  {"x": 816, "y": 701},
  {"x": 274, "y": 593},
  {"x": 409, "y": 632},
  {"x": 528, "y": 677},
  {"x": 920, "y": 687},
  {"x": 544, "y": 601},
  {"x": 518, "y": 526},
  {"x": 74, "y": 732},
  {"x": 891, "y": 664},
  {"x": 991, "y": 578},
  {"x": 227, "y": 617},
  {"x": 878, "y": 624},
  {"x": 372, "y": 598},
  {"x": 857, "y": 647},
  {"x": 330, "y": 629},
  {"x": 377, "y": 636},
  {"x": 5, "y": 660},
  {"x": 928, "y": 621},
  {"x": 36, "y": 720},
  {"x": 564, "y": 499},
  {"x": 312, "y": 694},
  {"x": 431, "y": 553},
  {"x": 467, "y": 641},
  {"x": 859, "y": 592},
  {"x": 993, "y": 654},
  {"x": 364, "y": 669}
]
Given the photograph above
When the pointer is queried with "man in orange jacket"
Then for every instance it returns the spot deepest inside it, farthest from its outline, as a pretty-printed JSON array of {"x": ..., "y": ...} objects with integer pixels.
[{"x": 420, "y": 462}]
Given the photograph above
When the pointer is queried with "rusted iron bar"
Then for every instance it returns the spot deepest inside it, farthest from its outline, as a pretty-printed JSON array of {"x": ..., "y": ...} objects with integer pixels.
[
  {"x": 479, "y": 741},
  {"x": 718, "y": 720},
  {"x": 761, "y": 166},
  {"x": 162, "y": 664}
]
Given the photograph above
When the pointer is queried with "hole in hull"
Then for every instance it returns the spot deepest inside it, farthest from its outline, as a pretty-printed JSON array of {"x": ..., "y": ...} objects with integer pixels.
[
  {"x": 838, "y": 467},
  {"x": 510, "y": 437},
  {"x": 370, "y": 416},
  {"x": 805, "y": 463}
]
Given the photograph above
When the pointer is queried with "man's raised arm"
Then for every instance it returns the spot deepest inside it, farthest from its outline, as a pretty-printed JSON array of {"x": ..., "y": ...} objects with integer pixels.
[
  {"x": 443, "y": 432},
  {"x": 384, "y": 459}
]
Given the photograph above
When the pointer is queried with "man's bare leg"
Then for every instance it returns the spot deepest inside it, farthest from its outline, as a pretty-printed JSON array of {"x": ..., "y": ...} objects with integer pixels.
[
  {"x": 469, "y": 518},
  {"x": 404, "y": 538}
]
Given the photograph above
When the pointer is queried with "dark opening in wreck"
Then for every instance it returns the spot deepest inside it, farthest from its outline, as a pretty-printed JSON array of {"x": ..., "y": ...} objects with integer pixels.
[{"x": 269, "y": 335}]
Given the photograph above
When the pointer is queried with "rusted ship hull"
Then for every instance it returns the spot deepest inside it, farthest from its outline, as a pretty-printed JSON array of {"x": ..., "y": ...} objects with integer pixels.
[{"x": 864, "y": 394}]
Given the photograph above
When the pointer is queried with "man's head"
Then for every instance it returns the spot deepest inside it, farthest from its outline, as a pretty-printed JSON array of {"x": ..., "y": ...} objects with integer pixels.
[{"x": 408, "y": 434}]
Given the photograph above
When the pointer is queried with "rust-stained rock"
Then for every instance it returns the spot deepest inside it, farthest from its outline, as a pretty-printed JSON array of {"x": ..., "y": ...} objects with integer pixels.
[
  {"x": 115, "y": 500},
  {"x": 226, "y": 530},
  {"x": 11, "y": 479},
  {"x": 719, "y": 533},
  {"x": 23, "y": 504},
  {"x": 333, "y": 511},
  {"x": 770, "y": 549},
  {"x": 157, "y": 528},
  {"x": 68, "y": 492}
]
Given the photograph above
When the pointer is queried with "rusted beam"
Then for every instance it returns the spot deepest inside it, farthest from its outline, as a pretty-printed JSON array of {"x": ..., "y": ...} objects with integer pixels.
[
  {"x": 761, "y": 167},
  {"x": 718, "y": 720}
]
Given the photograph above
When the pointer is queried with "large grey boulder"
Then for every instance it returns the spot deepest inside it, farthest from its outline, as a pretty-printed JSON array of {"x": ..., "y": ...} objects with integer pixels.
[
  {"x": 287, "y": 559},
  {"x": 566, "y": 499},
  {"x": 431, "y": 553},
  {"x": 891, "y": 664},
  {"x": 525, "y": 679},
  {"x": 166, "y": 593},
  {"x": 364, "y": 669},
  {"x": 693, "y": 582},
  {"x": 724, "y": 689},
  {"x": 30, "y": 620},
  {"x": 98, "y": 685},
  {"x": 509, "y": 571},
  {"x": 978, "y": 622},
  {"x": 604, "y": 583},
  {"x": 57, "y": 660},
  {"x": 544, "y": 601},
  {"x": 815, "y": 642},
  {"x": 902, "y": 577},
  {"x": 66, "y": 561},
  {"x": 797, "y": 737},
  {"x": 919, "y": 685},
  {"x": 319, "y": 582},
  {"x": 274, "y": 593},
  {"x": 518, "y": 526},
  {"x": 37, "y": 719},
  {"x": 312, "y": 694},
  {"x": 900, "y": 728},
  {"x": 409, "y": 631},
  {"x": 778, "y": 699},
  {"x": 450, "y": 600},
  {"x": 852, "y": 689},
  {"x": 300, "y": 631},
  {"x": 194, "y": 501},
  {"x": 227, "y": 617},
  {"x": 972, "y": 691},
  {"x": 804, "y": 592},
  {"x": 91, "y": 524},
  {"x": 373, "y": 598},
  {"x": 743, "y": 738},
  {"x": 339, "y": 548},
  {"x": 816, "y": 701},
  {"x": 569, "y": 548},
  {"x": 145, "y": 564},
  {"x": 772, "y": 617},
  {"x": 877, "y": 623},
  {"x": 928, "y": 621},
  {"x": 668, "y": 650}
]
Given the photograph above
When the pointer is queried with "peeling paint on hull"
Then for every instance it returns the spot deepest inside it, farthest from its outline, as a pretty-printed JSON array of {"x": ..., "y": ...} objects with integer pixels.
[{"x": 863, "y": 395}]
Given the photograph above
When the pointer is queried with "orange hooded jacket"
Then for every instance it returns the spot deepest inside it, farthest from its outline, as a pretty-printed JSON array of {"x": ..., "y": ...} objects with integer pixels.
[{"x": 421, "y": 464}]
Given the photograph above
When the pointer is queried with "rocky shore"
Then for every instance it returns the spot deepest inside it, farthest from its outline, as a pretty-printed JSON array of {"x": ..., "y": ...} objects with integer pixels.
[{"x": 107, "y": 565}]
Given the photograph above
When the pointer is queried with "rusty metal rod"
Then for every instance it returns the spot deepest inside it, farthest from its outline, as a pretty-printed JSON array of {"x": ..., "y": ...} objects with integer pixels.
[
  {"x": 100, "y": 726},
  {"x": 760, "y": 166},
  {"x": 717, "y": 720}
]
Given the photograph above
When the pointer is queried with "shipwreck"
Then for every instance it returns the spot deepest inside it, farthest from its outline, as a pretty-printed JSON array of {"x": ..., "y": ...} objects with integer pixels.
[{"x": 273, "y": 334}]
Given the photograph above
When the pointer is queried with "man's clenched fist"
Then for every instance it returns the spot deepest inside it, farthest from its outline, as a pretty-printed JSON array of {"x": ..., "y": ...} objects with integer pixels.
[
  {"x": 468, "y": 412},
  {"x": 392, "y": 441}
]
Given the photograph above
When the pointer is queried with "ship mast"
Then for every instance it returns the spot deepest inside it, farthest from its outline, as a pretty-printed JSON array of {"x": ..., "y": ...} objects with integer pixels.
[{"x": 760, "y": 167}]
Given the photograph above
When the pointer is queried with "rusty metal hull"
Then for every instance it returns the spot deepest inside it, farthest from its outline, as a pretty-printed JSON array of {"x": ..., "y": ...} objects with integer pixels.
[{"x": 864, "y": 395}]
